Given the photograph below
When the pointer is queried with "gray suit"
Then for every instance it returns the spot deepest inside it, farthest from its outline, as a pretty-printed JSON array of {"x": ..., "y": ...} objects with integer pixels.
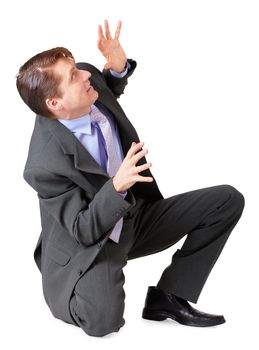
[
  {"x": 81, "y": 268},
  {"x": 78, "y": 203}
]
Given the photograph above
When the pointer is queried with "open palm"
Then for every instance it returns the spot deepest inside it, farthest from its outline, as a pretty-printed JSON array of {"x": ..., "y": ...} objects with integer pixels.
[{"x": 111, "y": 48}]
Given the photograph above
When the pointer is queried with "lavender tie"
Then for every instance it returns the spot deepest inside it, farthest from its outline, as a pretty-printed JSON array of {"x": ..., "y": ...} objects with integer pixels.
[{"x": 113, "y": 163}]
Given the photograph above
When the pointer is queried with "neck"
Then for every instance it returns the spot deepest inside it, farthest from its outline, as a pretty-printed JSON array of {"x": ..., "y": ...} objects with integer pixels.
[{"x": 70, "y": 115}]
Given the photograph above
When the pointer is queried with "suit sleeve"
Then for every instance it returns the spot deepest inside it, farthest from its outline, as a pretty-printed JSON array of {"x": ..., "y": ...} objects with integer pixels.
[
  {"x": 87, "y": 220},
  {"x": 118, "y": 84}
]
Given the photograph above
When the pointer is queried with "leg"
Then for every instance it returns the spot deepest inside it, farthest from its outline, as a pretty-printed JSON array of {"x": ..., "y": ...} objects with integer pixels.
[
  {"x": 97, "y": 304},
  {"x": 208, "y": 216}
]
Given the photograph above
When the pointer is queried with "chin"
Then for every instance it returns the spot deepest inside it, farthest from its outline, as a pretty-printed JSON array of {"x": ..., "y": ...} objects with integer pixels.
[{"x": 95, "y": 96}]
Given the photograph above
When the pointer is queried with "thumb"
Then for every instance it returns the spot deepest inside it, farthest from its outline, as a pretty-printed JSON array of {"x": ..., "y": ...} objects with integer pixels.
[{"x": 107, "y": 65}]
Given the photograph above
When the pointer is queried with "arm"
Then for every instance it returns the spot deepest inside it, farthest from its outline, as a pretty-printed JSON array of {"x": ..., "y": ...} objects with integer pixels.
[
  {"x": 116, "y": 59},
  {"x": 118, "y": 84},
  {"x": 86, "y": 220}
]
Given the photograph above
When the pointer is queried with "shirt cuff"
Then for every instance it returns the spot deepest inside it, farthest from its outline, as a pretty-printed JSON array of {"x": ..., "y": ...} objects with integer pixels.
[
  {"x": 123, "y": 194},
  {"x": 120, "y": 75}
]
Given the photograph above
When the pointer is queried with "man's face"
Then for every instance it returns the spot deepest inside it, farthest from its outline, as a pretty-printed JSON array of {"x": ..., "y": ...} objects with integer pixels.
[{"x": 77, "y": 93}]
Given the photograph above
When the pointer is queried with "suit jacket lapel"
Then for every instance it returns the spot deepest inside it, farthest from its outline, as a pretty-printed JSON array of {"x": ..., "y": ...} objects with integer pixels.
[{"x": 70, "y": 145}]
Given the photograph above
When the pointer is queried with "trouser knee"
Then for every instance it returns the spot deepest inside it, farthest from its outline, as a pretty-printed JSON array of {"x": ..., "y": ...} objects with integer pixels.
[
  {"x": 97, "y": 320},
  {"x": 237, "y": 199}
]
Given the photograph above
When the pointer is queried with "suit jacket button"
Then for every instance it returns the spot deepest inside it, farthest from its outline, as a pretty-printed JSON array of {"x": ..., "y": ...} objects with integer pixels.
[{"x": 80, "y": 272}]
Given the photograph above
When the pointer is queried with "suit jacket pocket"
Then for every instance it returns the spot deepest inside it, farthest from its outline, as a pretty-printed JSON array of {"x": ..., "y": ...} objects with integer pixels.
[{"x": 58, "y": 256}]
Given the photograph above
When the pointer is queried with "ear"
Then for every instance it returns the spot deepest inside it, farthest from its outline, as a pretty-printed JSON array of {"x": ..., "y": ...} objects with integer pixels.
[{"x": 54, "y": 104}]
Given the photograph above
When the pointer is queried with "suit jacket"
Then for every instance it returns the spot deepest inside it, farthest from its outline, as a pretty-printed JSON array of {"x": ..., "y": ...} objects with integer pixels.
[{"x": 79, "y": 205}]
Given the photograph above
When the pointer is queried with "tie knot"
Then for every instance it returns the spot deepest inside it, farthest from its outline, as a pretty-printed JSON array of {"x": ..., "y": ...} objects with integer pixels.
[{"x": 97, "y": 116}]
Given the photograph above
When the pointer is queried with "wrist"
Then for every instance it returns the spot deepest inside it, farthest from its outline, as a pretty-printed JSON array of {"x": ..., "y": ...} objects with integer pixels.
[
  {"x": 114, "y": 184},
  {"x": 124, "y": 67},
  {"x": 122, "y": 70}
]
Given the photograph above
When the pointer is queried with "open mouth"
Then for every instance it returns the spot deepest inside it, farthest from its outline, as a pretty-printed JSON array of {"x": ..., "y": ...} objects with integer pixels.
[{"x": 90, "y": 87}]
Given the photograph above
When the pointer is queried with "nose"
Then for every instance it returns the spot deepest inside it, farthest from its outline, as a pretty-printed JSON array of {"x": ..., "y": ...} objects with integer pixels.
[{"x": 86, "y": 75}]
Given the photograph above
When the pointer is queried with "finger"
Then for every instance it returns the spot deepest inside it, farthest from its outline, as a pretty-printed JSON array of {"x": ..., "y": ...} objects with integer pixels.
[
  {"x": 133, "y": 149},
  {"x": 108, "y": 63},
  {"x": 118, "y": 30},
  {"x": 143, "y": 179},
  {"x": 99, "y": 44},
  {"x": 138, "y": 156},
  {"x": 107, "y": 30},
  {"x": 100, "y": 32},
  {"x": 143, "y": 167},
  {"x": 137, "y": 145}
]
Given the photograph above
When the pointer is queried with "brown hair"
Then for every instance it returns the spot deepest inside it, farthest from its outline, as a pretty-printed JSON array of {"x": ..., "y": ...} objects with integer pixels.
[{"x": 36, "y": 81}]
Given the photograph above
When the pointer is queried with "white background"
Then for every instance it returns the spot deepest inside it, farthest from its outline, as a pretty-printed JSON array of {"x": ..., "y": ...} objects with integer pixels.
[{"x": 193, "y": 100}]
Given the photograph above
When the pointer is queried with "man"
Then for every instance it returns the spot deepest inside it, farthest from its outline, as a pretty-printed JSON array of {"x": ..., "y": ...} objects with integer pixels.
[{"x": 100, "y": 205}]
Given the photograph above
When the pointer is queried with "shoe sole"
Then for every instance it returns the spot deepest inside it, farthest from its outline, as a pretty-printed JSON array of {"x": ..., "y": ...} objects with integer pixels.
[{"x": 161, "y": 316}]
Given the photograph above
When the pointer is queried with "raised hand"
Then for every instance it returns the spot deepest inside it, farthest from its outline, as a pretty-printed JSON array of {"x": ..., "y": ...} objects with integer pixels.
[{"x": 111, "y": 48}]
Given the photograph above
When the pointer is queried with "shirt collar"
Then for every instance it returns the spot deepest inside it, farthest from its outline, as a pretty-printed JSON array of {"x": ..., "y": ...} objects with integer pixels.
[{"x": 81, "y": 125}]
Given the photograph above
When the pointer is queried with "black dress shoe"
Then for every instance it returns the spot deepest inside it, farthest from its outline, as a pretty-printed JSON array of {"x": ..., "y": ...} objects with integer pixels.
[{"x": 160, "y": 306}]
